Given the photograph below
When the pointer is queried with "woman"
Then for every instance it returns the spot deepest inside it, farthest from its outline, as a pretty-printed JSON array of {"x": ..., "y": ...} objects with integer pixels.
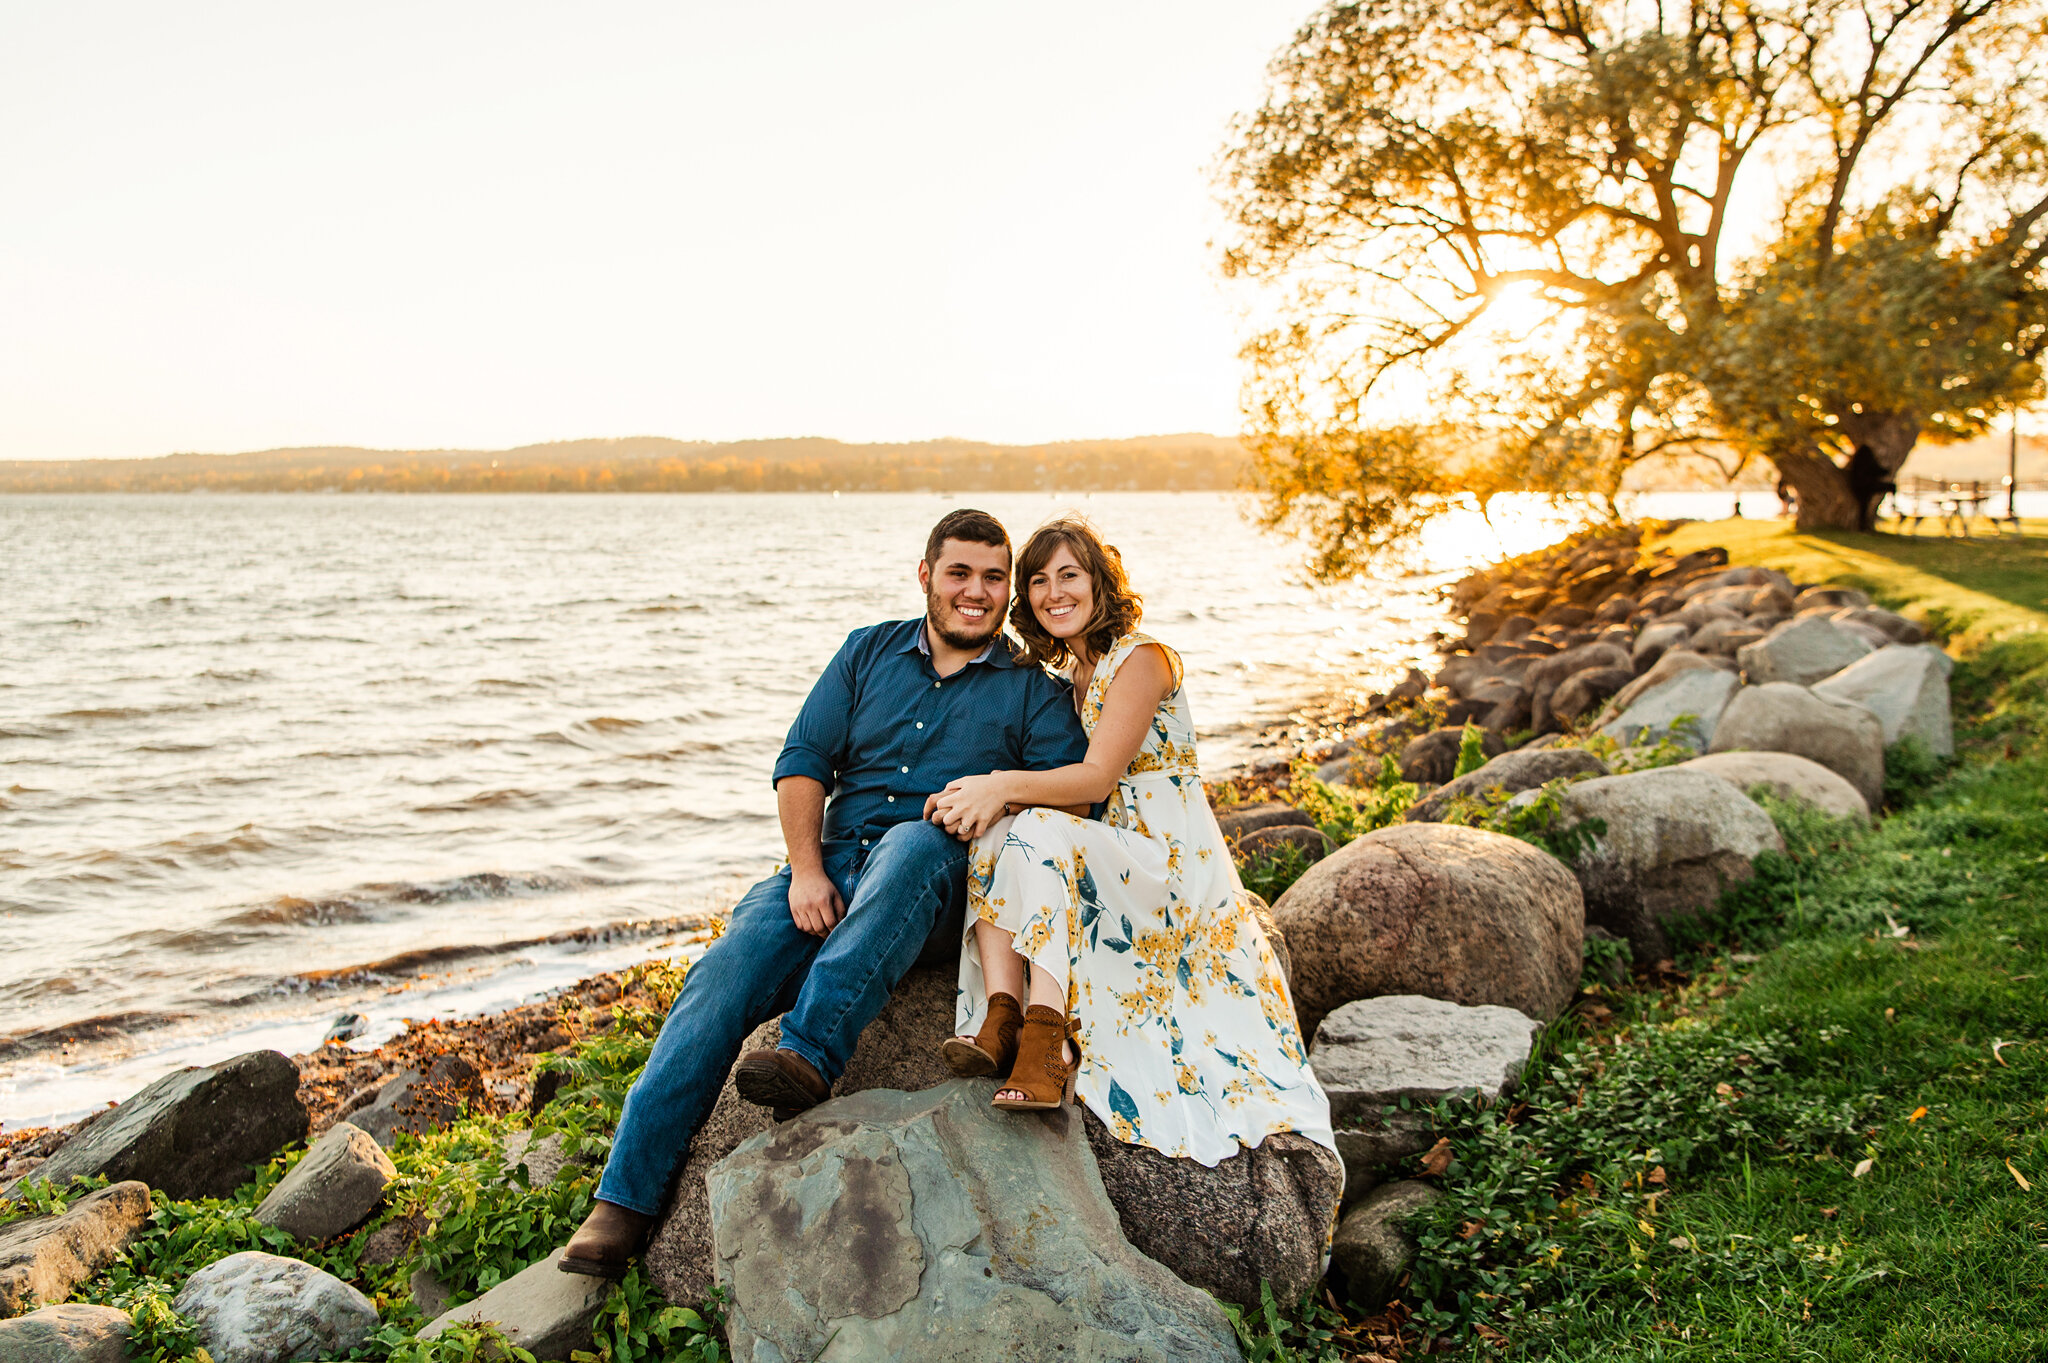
[{"x": 1142, "y": 944}]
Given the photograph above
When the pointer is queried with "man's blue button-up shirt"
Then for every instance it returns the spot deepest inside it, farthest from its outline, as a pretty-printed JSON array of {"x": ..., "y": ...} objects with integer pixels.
[{"x": 881, "y": 730}]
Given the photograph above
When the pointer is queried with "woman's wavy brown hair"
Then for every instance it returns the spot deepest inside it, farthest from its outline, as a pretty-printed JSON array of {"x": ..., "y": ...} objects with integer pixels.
[{"x": 1117, "y": 611}]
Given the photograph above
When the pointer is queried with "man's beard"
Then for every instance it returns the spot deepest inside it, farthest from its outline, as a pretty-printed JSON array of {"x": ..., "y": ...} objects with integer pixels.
[{"x": 953, "y": 638}]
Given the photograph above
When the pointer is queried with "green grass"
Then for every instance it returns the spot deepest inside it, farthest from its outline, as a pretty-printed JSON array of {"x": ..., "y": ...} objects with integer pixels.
[{"x": 1683, "y": 1174}]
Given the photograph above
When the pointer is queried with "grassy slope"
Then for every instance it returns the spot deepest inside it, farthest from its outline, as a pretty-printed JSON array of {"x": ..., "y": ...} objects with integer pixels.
[{"x": 1900, "y": 959}]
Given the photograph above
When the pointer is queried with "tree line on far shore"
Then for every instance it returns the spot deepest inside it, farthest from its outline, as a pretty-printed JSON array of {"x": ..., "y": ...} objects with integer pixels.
[{"x": 649, "y": 464}]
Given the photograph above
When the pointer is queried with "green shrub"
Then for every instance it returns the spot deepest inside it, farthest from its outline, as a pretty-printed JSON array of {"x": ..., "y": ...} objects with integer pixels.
[
  {"x": 1269, "y": 874},
  {"x": 1910, "y": 770},
  {"x": 1471, "y": 750}
]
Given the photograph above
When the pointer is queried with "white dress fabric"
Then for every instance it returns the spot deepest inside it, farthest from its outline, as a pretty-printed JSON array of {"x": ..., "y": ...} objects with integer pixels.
[{"x": 1189, "y": 1042}]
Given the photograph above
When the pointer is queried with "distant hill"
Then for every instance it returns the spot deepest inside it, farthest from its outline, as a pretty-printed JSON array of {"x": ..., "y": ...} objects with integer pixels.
[{"x": 658, "y": 464}]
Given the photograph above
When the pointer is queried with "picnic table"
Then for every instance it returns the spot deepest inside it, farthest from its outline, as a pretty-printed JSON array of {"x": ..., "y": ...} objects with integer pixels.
[{"x": 1953, "y": 504}]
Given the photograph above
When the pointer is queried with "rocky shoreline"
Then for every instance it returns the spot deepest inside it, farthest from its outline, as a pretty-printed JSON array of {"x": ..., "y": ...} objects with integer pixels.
[{"x": 1449, "y": 867}]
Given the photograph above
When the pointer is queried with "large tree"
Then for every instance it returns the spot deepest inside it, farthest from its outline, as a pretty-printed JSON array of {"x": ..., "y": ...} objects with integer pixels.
[{"x": 1565, "y": 236}]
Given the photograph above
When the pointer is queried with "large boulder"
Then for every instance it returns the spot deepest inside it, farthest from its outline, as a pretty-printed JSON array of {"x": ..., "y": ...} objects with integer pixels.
[
  {"x": 928, "y": 1226},
  {"x": 66, "y": 1334},
  {"x": 1789, "y": 778},
  {"x": 1685, "y": 707},
  {"x": 540, "y": 1309},
  {"x": 1372, "y": 1053},
  {"x": 1453, "y": 913},
  {"x": 1372, "y": 1249},
  {"x": 1310, "y": 844},
  {"x": 332, "y": 1189},
  {"x": 259, "y": 1308},
  {"x": 1906, "y": 687},
  {"x": 1510, "y": 773},
  {"x": 898, "y": 1050},
  {"x": 1844, "y": 737},
  {"x": 1545, "y": 677},
  {"x": 42, "y": 1258},
  {"x": 1260, "y": 1216},
  {"x": 1801, "y": 651},
  {"x": 1673, "y": 840},
  {"x": 193, "y": 1133}
]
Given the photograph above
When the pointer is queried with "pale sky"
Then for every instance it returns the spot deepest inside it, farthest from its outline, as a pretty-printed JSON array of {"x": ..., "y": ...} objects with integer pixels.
[{"x": 230, "y": 227}]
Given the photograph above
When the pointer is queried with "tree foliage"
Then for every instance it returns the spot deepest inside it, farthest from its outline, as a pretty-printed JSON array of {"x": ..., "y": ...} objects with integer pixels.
[{"x": 1569, "y": 235}]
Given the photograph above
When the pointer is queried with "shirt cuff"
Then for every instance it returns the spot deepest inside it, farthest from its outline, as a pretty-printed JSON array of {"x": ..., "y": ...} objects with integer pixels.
[{"x": 803, "y": 762}]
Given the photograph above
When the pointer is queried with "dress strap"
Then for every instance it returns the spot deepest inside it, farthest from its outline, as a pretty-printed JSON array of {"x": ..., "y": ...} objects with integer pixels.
[{"x": 1105, "y": 672}]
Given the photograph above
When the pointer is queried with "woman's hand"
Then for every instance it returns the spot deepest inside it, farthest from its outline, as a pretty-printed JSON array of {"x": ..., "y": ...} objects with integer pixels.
[{"x": 970, "y": 806}]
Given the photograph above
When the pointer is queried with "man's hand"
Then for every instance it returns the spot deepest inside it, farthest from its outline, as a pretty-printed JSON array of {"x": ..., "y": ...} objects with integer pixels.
[
  {"x": 970, "y": 806},
  {"x": 814, "y": 902}
]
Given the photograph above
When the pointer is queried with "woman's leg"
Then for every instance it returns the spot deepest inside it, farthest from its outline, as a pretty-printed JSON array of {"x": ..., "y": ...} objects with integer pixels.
[{"x": 1002, "y": 969}]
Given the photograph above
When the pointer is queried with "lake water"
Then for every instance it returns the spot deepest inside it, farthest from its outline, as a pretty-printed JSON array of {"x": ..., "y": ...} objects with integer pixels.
[{"x": 263, "y": 759}]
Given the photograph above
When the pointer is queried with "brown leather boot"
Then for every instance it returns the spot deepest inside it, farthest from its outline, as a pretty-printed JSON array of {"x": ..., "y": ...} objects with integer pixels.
[
  {"x": 779, "y": 1079},
  {"x": 1043, "y": 1074},
  {"x": 609, "y": 1237},
  {"x": 994, "y": 1048}
]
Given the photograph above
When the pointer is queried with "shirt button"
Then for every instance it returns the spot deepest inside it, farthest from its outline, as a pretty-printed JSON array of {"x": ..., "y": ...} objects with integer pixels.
[
  {"x": 920, "y": 724},
  {"x": 863, "y": 842},
  {"x": 892, "y": 799},
  {"x": 903, "y": 769},
  {"x": 937, "y": 685}
]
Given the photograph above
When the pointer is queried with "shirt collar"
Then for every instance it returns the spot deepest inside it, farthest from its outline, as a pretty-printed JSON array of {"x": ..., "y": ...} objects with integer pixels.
[{"x": 996, "y": 652}]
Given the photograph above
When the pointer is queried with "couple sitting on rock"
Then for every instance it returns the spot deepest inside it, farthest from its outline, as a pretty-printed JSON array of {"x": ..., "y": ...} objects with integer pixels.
[{"x": 936, "y": 768}]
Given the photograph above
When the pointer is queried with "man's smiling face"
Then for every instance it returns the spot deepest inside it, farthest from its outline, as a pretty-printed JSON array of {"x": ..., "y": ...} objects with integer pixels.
[{"x": 966, "y": 591}]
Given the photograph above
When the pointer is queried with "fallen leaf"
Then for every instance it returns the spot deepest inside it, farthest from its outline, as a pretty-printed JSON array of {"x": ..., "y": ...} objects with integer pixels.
[
  {"x": 1437, "y": 1158},
  {"x": 1724, "y": 1089},
  {"x": 1830, "y": 1213},
  {"x": 1893, "y": 924},
  {"x": 1918, "y": 1113},
  {"x": 1890, "y": 1014},
  {"x": 1680, "y": 1242},
  {"x": 1657, "y": 1174},
  {"x": 1469, "y": 1229},
  {"x": 2019, "y": 1178},
  {"x": 1490, "y": 1336},
  {"x": 1646, "y": 1227},
  {"x": 1862, "y": 1168},
  {"x": 1996, "y": 1047}
]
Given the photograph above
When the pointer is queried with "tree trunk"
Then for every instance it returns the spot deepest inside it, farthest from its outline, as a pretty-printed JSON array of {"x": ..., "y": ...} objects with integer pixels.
[
  {"x": 1890, "y": 437},
  {"x": 1825, "y": 501}
]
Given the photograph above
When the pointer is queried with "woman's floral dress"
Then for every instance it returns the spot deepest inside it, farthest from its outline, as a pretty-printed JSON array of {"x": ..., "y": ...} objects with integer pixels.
[{"x": 1188, "y": 1037}]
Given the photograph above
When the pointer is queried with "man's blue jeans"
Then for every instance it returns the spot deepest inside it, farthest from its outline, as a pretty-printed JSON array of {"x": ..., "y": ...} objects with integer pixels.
[{"x": 911, "y": 888}]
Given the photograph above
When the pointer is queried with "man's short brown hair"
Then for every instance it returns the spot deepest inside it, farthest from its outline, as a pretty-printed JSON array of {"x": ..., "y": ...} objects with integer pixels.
[{"x": 969, "y": 525}]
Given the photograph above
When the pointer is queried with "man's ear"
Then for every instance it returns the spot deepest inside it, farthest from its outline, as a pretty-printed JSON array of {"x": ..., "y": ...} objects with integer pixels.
[{"x": 924, "y": 576}]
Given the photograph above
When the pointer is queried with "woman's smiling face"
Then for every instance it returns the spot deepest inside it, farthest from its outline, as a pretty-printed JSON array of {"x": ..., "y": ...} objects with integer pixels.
[{"x": 1062, "y": 595}]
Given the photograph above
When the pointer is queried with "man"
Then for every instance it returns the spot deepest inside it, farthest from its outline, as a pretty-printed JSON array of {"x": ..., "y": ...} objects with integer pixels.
[{"x": 901, "y": 710}]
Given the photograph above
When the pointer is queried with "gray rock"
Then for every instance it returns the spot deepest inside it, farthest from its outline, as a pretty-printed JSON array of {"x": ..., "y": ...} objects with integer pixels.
[
  {"x": 540, "y": 1309},
  {"x": 930, "y": 1227},
  {"x": 1674, "y": 661},
  {"x": 1830, "y": 598},
  {"x": 42, "y": 1258},
  {"x": 1582, "y": 691},
  {"x": 1522, "y": 769},
  {"x": 193, "y": 1133},
  {"x": 1260, "y": 1216},
  {"x": 412, "y": 1103},
  {"x": 429, "y": 1294},
  {"x": 1685, "y": 707},
  {"x": 1906, "y": 687},
  {"x": 1238, "y": 820},
  {"x": 1312, "y": 843},
  {"x": 259, "y": 1308},
  {"x": 1436, "y": 909},
  {"x": 347, "y": 1027},
  {"x": 1337, "y": 771},
  {"x": 1845, "y": 738},
  {"x": 333, "y": 1189},
  {"x": 1674, "y": 840},
  {"x": 1378, "y": 1141},
  {"x": 1654, "y": 642},
  {"x": 1431, "y": 758},
  {"x": 545, "y": 1159},
  {"x": 1789, "y": 777},
  {"x": 391, "y": 1241},
  {"x": 1547, "y": 676},
  {"x": 66, "y": 1334},
  {"x": 1723, "y": 637},
  {"x": 1371, "y": 1248},
  {"x": 1372, "y": 1053},
  {"x": 1898, "y": 627},
  {"x": 1801, "y": 651}
]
